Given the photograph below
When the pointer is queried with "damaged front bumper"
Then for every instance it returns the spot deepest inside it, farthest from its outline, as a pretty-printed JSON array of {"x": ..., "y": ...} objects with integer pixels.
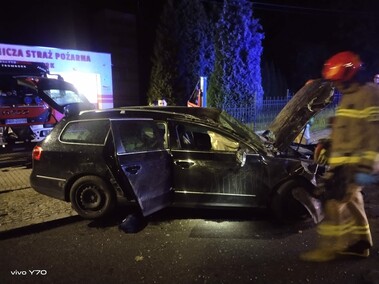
[{"x": 311, "y": 203}]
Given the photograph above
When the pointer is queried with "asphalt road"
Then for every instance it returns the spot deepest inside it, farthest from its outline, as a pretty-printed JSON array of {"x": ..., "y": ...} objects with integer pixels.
[{"x": 176, "y": 246}]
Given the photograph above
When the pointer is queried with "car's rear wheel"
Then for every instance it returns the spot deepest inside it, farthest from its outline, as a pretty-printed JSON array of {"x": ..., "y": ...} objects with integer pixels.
[
  {"x": 284, "y": 207},
  {"x": 92, "y": 197}
]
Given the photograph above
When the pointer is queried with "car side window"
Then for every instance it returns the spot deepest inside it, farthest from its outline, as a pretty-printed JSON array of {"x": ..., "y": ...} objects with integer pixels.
[
  {"x": 145, "y": 135},
  {"x": 86, "y": 132},
  {"x": 222, "y": 143},
  {"x": 194, "y": 137}
]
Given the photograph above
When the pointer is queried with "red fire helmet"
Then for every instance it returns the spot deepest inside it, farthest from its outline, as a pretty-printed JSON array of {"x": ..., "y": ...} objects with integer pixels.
[{"x": 342, "y": 66}]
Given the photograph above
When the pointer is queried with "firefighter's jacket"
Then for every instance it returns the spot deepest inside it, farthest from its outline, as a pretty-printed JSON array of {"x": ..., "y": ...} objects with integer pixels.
[{"x": 355, "y": 128}]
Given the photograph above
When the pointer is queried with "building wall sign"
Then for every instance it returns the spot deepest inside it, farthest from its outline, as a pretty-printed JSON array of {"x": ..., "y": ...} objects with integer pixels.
[{"x": 90, "y": 72}]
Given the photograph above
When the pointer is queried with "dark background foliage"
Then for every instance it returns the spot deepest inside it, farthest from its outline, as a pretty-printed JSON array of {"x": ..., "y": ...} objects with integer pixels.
[{"x": 299, "y": 35}]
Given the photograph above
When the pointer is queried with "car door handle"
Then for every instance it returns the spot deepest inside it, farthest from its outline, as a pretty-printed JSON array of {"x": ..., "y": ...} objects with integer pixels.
[
  {"x": 184, "y": 164},
  {"x": 132, "y": 169}
]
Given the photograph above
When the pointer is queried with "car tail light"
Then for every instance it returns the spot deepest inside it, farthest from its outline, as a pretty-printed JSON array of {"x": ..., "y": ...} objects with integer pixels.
[{"x": 37, "y": 153}]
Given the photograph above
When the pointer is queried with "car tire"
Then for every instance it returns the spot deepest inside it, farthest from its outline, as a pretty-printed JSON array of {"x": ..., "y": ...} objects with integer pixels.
[
  {"x": 284, "y": 207},
  {"x": 92, "y": 198}
]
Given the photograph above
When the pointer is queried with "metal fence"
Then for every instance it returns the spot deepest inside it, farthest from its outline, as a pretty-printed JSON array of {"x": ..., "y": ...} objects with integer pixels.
[{"x": 259, "y": 119}]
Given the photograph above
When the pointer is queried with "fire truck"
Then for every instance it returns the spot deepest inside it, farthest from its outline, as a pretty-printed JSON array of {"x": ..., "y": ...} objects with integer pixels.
[{"x": 32, "y": 101}]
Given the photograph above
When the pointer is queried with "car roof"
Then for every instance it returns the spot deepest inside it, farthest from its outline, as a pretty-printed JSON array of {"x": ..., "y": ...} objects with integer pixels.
[
  {"x": 201, "y": 114},
  {"x": 212, "y": 117}
]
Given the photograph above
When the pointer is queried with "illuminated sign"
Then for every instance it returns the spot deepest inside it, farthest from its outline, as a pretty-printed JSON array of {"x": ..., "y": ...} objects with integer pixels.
[{"x": 90, "y": 72}]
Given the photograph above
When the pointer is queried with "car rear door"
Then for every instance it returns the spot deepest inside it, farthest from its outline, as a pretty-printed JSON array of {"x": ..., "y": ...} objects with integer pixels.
[{"x": 141, "y": 150}]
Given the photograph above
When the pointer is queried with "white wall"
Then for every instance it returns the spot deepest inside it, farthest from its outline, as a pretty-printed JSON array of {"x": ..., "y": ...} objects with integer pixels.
[{"x": 90, "y": 72}]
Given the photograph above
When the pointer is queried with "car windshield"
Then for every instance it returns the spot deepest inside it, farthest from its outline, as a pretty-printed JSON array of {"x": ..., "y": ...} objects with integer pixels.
[
  {"x": 240, "y": 129},
  {"x": 64, "y": 97}
]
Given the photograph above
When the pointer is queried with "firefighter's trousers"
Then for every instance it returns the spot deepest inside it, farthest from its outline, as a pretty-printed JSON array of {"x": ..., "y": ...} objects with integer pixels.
[{"x": 345, "y": 221}]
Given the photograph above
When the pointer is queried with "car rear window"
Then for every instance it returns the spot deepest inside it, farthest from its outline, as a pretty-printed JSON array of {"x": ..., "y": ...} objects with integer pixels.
[
  {"x": 140, "y": 136},
  {"x": 86, "y": 132}
]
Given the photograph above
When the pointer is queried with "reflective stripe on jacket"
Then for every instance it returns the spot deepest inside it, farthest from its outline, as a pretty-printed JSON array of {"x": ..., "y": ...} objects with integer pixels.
[{"x": 355, "y": 129}]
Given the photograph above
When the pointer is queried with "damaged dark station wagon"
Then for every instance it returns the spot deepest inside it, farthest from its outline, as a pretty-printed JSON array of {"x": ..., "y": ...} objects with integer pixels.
[{"x": 162, "y": 156}]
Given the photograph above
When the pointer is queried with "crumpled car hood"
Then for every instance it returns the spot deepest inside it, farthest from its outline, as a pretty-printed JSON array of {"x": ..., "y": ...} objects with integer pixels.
[{"x": 306, "y": 103}]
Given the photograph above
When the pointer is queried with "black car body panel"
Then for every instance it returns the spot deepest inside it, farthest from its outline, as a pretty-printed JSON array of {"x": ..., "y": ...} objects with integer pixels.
[
  {"x": 73, "y": 158},
  {"x": 144, "y": 161},
  {"x": 159, "y": 156}
]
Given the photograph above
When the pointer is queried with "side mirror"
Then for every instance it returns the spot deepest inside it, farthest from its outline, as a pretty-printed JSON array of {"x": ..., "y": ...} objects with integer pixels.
[{"x": 241, "y": 157}]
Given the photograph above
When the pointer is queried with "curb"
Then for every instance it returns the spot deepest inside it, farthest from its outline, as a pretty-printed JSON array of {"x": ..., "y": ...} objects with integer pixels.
[
  {"x": 33, "y": 222},
  {"x": 11, "y": 232}
]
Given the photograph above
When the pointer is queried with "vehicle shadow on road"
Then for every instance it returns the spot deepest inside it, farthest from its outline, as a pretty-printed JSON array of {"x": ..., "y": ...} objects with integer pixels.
[
  {"x": 233, "y": 223},
  {"x": 214, "y": 223}
]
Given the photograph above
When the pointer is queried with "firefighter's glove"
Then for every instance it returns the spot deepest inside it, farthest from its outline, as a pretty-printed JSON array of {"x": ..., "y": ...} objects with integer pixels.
[
  {"x": 321, "y": 157},
  {"x": 321, "y": 152}
]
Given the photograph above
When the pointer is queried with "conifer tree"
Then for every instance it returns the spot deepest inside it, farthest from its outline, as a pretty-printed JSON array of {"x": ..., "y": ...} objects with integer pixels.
[
  {"x": 236, "y": 80},
  {"x": 195, "y": 55},
  {"x": 164, "y": 73},
  {"x": 228, "y": 51},
  {"x": 182, "y": 51}
]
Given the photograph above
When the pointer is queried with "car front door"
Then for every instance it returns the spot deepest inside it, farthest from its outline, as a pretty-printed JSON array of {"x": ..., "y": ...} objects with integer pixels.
[
  {"x": 141, "y": 149},
  {"x": 207, "y": 169}
]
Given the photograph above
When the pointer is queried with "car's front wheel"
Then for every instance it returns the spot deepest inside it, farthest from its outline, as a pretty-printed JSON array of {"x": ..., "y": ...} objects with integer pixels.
[
  {"x": 92, "y": 197},
  {"x": 284, "y": 207}
]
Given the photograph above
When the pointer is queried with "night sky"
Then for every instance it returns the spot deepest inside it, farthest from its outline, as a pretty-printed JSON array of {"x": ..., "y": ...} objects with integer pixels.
[
  {"x": 289, "y": 25},
  {"x": 292, "y": 27},
  {"x": 295, "y": 26}
]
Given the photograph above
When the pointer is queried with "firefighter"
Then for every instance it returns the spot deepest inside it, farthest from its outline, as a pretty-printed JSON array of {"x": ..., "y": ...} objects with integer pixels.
[{"x": 353, "y": 153}]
